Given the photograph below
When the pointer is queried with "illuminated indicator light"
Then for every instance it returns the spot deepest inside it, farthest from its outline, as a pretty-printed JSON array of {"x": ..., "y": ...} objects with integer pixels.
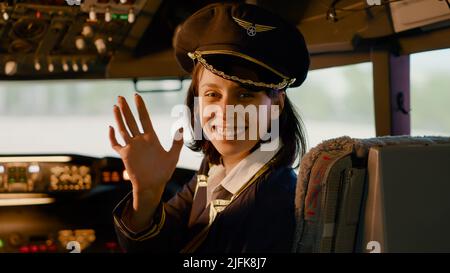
[
  {"x": 24, "y": 249},
  {"x": 34, "y": 248},
  {"x": 119, "y": 16},
  {"x": 106, "y": 176},
  {"x": 123, "y": 1},
  {"x": 125, "y": 175},
  {"x": 2, "y": 169},
  {"x": 1, "y": 243},
  {"x": 38, "y": 14},
  {"x": 51, "y": 67},
  {"x": 84, "y": 67},
  {"x": 13, "y": 159},
  {"x": 42, "y": 248},
  {"x": 24, "y": 201},
  {"x": 33, "y": 169},
  {"x": 115, "y": 177}
]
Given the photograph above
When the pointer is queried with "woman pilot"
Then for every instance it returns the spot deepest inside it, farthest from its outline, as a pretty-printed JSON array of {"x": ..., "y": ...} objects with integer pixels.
[{"x": 242, "y": 197}]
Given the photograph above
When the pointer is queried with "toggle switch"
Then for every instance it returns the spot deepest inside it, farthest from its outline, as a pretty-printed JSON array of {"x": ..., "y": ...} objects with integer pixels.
[
  {"x": 10, "y": 68},
  {"x": 100, "y": 45},
  {"x": 80, "y": 43},
  {"x": 92, "y": 14},
  {"x": 108, "y": 15},
  {"x": 131, "y": 16}
]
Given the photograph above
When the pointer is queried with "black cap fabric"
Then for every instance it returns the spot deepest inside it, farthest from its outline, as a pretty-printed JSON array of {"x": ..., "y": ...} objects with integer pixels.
[{"x": 222, "y": 36}]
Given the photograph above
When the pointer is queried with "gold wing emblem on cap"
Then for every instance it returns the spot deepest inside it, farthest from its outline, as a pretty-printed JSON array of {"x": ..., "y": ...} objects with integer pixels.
[{"x": 251, "y": 28}]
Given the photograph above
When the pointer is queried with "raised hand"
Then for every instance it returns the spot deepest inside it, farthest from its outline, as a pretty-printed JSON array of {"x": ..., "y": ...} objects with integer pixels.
[{"x": 149, "y": 166}]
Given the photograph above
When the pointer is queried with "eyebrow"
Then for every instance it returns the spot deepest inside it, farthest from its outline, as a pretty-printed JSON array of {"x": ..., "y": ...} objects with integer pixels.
[
  {"x": 213, "y": 85},
  {"x": 210, "y": 85}
]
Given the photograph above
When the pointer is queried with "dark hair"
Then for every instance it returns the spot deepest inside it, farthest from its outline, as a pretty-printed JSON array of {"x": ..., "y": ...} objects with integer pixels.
[{"x": 292, "y": 133}]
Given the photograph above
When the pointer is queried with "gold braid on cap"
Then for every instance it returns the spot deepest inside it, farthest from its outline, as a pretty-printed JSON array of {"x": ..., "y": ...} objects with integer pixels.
[{"x": 197, "y": 55}]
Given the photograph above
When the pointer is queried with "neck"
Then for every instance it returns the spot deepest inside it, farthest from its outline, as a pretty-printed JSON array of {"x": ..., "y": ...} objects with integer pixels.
[{"x": 229, "y": 162}]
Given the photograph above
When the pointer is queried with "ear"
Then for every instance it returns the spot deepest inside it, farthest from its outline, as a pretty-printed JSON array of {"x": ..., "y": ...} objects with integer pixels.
[{"x": 281, "y": 97}]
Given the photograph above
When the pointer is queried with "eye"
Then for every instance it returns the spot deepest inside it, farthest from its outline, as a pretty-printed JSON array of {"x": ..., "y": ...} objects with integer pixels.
[
  {"x": 211, "y": 94},
  {"x": 246, "y": 95}
]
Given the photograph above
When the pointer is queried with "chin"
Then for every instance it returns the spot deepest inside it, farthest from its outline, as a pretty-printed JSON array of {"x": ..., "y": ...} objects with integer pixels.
[{"x": 233, "y": 147}]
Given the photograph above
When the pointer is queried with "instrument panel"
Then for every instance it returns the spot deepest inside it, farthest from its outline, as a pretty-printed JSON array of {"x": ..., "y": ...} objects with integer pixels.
[
  {"x": 63, "y": 203},
  {"x": 53, "y": 173},
  {"x": 63, "y": 37}
]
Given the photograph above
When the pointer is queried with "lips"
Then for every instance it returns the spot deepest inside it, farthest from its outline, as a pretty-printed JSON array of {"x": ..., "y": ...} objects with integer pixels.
[{"x": 227, "y": 133}]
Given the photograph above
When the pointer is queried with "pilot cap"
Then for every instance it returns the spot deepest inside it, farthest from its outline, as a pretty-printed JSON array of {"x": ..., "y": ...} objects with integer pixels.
[{"x": 222, "y": 36}]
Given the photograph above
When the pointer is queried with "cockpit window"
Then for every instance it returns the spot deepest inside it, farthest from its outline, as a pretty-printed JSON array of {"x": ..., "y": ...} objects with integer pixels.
[
  {"x": 430, "y": 93},
  {"x": 73, "y": 116},
  {"x": 337, "y": 101}
]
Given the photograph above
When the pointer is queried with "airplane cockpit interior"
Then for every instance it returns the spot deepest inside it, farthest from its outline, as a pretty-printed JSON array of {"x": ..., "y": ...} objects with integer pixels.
[{"x": 376, "y": 173}]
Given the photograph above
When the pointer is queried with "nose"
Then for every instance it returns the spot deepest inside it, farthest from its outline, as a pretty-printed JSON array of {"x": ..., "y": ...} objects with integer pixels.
[
  {"x": 232, "y": 116},
  {"x": 224, "y": 102}
]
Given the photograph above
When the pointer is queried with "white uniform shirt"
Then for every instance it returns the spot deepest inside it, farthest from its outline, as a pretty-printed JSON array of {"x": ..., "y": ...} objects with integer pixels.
[{"x": 239, "y": 175}]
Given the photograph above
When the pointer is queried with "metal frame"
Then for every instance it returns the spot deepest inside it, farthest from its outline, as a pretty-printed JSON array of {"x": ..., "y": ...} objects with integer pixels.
[{"x": 391, "y": 81}]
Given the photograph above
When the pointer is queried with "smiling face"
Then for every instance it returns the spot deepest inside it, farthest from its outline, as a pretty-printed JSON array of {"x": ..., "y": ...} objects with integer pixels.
[{"x": 231, "y": 132}]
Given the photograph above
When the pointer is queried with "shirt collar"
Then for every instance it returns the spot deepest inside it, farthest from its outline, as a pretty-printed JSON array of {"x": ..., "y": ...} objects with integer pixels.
[{"x": 244, "y": 170}]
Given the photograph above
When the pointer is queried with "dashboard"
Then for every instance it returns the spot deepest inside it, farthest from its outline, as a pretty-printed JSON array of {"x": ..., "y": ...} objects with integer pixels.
[{"x": 50, "y": 202}]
